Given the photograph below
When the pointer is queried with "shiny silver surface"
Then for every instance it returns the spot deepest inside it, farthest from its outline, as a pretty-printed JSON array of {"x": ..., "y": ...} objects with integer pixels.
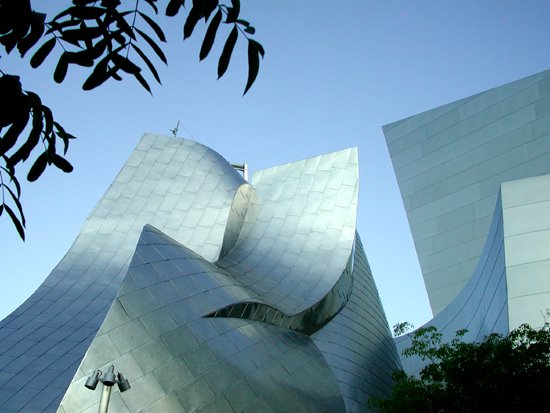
[
  {"x": 511, "y": 283},
  {"x": 450, "y": 162},
  {"x": 208, "y": 241},
  {"x": 454, "y": 164}
]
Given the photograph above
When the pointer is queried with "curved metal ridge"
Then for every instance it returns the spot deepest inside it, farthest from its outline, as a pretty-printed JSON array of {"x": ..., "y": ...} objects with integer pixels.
[
  {"x": 308, "y": 321},
  {"x": 298, "y": 230}
]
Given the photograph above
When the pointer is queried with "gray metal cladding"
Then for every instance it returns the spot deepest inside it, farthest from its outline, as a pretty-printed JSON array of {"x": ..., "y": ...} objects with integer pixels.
[
  {"x": 481, "y": 307},
  {"x": 177, "y": 359},
  {"x": 299, "y": 230},
  {"x": 310, "y": 334},
  {"x": 450, "y": 162},
  {"x": 181, "y": 187}
]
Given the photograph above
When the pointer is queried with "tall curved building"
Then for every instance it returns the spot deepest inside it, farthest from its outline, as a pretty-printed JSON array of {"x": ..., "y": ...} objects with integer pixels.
[
  {"x": 475, "y": 180},
  {"x": 210, "y": 294}
]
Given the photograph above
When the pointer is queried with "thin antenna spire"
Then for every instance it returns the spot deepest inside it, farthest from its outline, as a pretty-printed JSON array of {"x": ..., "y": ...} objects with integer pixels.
[{"x": 175, "y": 130}]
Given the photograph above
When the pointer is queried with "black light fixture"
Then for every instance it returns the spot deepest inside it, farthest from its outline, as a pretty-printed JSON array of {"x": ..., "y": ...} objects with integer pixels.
[
  {"x": 92, "y": 381},
  {"x": 108, "y": 379},
  {"x": 123, "y": 384}
]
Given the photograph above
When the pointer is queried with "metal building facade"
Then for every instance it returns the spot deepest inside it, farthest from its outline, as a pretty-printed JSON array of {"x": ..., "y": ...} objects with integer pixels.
[{"x": 210, "y": 294}]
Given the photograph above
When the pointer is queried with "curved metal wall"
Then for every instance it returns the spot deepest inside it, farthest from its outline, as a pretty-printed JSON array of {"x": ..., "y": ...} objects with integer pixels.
[
  {"x": 181, "y": 187},
  {"x": 450, "y": 162},
  {"x": 179, "y": 361},
  {"x": 482, "y": 306},
  {"x": 286, "y": 243}
]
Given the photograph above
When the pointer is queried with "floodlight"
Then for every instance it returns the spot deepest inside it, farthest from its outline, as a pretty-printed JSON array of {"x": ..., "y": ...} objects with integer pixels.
[
  {"x": 109, "y": 378},
  {"x": 123, "y": 384},
  {"x": 92, "y": 381}
]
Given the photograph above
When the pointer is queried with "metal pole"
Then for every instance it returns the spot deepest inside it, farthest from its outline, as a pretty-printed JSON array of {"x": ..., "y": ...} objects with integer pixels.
[{"x": 104, "y": 402}]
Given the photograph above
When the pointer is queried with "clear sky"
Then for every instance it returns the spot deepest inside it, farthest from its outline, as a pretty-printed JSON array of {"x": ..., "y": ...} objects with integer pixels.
[{"x": 333, "y": 74}]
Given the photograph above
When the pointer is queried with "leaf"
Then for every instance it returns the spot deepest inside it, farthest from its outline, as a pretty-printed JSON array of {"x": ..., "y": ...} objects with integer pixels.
[
  {"x": 61, "y": 68},
  {"x": 10, "y": 137},
  {"x": 147, "y": 62},
  {"x": 233, "y": 12},
  {"x": 99, "y": 75},
  {"x": 143, "y": 82},
  {"x": 253, "y": 62},
  {"x": 98, "y": 49},
  {"x": 125, "y": 64},
  {"x": 38, "y": 167},
  {"x": 62, "y": 163},
  {"x": 15, "y": 221},
  {"x": 225, "y": 57},
  {"x": 42, "y": 53},
  {"x": 37, "y": 30},
  {"x": 82, "y": 33},
  {"x": 123, "y": 25},
  {"x": 192, "y": 19},
  {"x": 17, "y": 203},
  {"x": 80, "y": 58},
  {"x": 11, "y": 172},
  {"x": 84, "y": 12},
  {"x": 250, "y": 30},
  {"x": 48, "y": 117},
  {"x": 64, "y": 136},
  {"x": 173, "y": 7},
  {"x": 119, "y": 37},
  {"x": 208, "y": 7},
  {"x": 9, "y": 41},
  {"x": 243, "y": 22},
  {"x": 154, "y": 26},
  {"x": 25, "y": 150},
  {"x": 153, "y": 5},
  {"x": 153, "y": 45},
  {"x": 210, "y": 35}
]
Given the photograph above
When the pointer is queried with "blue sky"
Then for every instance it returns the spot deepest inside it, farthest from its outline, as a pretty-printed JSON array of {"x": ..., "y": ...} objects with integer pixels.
[{"x": 333, "y": 74}]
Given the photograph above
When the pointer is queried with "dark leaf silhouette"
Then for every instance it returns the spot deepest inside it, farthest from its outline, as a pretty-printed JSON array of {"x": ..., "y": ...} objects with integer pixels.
[
  {"x": 125, "y": 64},
  {"x": 42, "y": 53},
  {"x": 233, "y": 11},
  {"x": 98, "y": 35},
  {"x": 210, "y": 35},
  {"x": 147, "y": 62},
  {"x": 173, "y": 7},
  {"x": 223, "y": 62},
  {"x": 38, "y": 167},
  {"x": 153, "y": 5},
  {"x": 192, "y": 19},
  {"x": 62, "y": 163},
  {"x": 99, "y": 75},
  {"x": 37, "y": 30},
  {"x": 10, "y": 137},
  {"x": 61, "y": 68},
  {"x": 15, "y": 221},
  {"x": 153, "y": 45},
  {"x": 84, "y": 12},
  {"x": 142, "y": 81},
  {"x": 156, "y": 28},
  {"x": 255, "y": 49}
]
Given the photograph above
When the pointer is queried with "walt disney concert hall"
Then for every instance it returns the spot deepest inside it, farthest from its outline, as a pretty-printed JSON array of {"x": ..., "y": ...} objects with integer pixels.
[{"x": 191, "y": 288}]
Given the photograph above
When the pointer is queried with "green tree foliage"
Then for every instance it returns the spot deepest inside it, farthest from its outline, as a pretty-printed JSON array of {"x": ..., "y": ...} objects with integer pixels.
[
  {"x": 509, "y": 373},
  {"x": 112, "y": 38}
]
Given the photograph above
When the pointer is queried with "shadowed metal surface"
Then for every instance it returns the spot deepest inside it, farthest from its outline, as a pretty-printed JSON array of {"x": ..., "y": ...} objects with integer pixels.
[
  {"x": 179, "y": 361},
  {"x": 284, "y": 243},
  {"x": 179, "y": 186},
  {"x": 298, "y": 233}
]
